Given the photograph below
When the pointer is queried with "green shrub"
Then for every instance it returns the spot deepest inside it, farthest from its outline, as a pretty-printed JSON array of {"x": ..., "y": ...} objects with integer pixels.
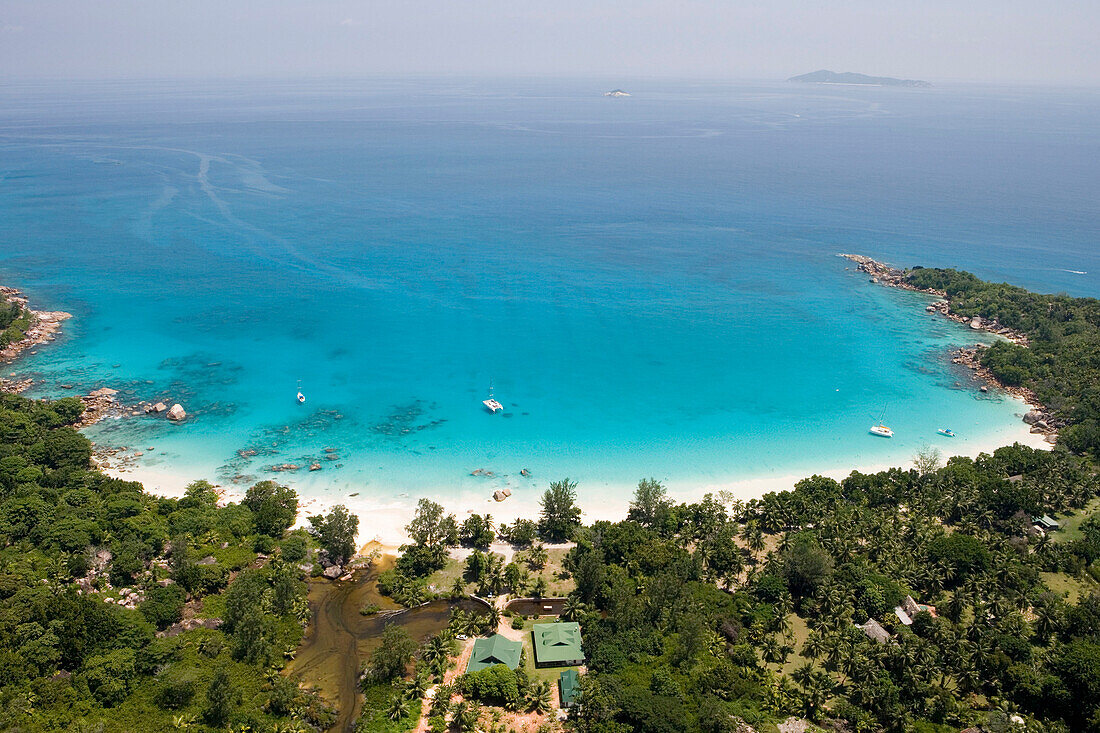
[
  {"x": 163, "y": 606},
  {"x": 176, "y": 690},
  {"x": 496, "y": 685}
]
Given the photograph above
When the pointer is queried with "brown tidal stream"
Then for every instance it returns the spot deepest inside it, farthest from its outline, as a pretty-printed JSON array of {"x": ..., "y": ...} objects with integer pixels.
[{"x": 339, "y": 638}]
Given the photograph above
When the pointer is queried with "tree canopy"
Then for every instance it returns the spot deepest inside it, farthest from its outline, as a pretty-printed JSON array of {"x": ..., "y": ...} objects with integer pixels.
[{"x": 560, "y": 515}]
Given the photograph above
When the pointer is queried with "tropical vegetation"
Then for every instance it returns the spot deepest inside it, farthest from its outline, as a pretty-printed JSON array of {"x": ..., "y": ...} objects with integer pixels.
[{"x": 123, "y": 611}]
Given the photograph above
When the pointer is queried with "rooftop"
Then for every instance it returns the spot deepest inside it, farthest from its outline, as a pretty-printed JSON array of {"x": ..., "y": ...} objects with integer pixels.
[
  {"x": 874, "y": 631},
  {"x": 557, "y": 643},
  {"x": 569, "y": 686},
  {"x": 494, "y": 650},
  {"x": 1046, "y": 522}
]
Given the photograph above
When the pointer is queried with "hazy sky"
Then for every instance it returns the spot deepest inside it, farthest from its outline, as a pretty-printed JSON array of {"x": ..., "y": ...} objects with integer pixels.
[{"x": 992, "y": 40}]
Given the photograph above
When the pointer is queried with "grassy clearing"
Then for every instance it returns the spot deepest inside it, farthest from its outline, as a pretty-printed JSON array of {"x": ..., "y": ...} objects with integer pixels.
[
  {"x": 1072, "y": 521},
  {"x": 1063, "y": 583},
  {"x": 799, "y": 632},
  {"x": 441, "y": 580},
  {"x": 555, "y": 584}
]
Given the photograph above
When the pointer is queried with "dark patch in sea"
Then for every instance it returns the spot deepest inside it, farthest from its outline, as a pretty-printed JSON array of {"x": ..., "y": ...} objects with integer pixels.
[
  {"x": 266, "y": 445},
  {"x": 201, "y": 369},
  {"x": 406, "y": 420}
]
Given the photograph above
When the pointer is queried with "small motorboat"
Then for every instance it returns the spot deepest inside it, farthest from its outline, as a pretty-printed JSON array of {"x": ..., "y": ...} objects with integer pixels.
[
  {"x": 301, "y": 397},
  {"x": 945, "y": 431}
]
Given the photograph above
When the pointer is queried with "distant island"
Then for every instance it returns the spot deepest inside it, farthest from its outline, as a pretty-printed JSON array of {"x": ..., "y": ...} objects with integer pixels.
[
  {"x": 616, "y": 93},
  {"x": 848, "y": 77}
]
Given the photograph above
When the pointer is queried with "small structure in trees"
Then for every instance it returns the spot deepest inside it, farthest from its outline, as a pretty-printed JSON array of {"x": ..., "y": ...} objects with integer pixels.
[
  {"x": 569, "y": 686},
  {"x": 912, "y": 608},
  {"x": 1046, "y": 523},
  {"x": 874, "y": 631}
]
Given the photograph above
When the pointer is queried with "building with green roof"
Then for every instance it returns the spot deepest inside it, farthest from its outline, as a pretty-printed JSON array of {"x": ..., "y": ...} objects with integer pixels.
[
  {"x": 568, "y": 686},
  {"x": 496, "y": 649},
  {"x": 1046, "y": 523},
  {"x": 557, "y": 644}
]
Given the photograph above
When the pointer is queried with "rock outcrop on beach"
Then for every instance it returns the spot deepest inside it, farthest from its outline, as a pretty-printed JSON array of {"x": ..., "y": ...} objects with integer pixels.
[
  {"x": 176, "y": 413},
  {"x": 99, "y": 404}
]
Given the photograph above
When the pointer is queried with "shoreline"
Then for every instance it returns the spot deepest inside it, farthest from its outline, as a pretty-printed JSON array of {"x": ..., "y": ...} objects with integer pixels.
[
  {"x": 383, "y": 515},
  {"x": 1039, "y": 419},
  {"x": 44, "y": 328}
]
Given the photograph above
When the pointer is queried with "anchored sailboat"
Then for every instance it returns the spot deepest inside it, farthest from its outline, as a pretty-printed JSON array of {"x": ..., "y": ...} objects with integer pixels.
[
  {"x": 879, "y": 429},
  {"x": 491, "y": 404}
]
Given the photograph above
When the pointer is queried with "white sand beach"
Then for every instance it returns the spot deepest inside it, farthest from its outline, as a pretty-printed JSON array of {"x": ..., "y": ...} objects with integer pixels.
[{"x": 384, "y": 514}]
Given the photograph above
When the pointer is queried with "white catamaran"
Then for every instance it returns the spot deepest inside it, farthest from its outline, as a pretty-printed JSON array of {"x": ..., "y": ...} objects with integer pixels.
[
  {"x": 491, "y": 404},
  {"x": 881, "y": 430}
]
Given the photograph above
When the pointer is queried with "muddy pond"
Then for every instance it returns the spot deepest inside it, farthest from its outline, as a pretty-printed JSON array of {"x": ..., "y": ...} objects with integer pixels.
[{"x": 339, "y": 638}]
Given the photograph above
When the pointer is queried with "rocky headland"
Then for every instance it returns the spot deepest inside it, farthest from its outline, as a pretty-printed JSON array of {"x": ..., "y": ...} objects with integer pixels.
[
  {"x": 1041, "y": 420},
  {"x": 44, "y": 327}
]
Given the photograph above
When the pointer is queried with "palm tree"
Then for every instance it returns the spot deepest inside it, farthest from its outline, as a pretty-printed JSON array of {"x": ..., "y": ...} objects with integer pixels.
[
  {"x": 1047, "y": 621},
  {"x": 398, "y": 709},
  {"x": 458, "y": 588},
  {"x": 817, "y": 690},
  {"x": 416, "y": 687},
  {"x": 179, "y": 722},
  {"x": 753, "y": 537},
  {"x": 494, "y": 617},
  {"x": 465, "y": 717},
  {"x": 814, "y": 646},
  {"x": 57, "y": 571},
  {"x": 802, "y": 674},
  {"x": 537, "y": 557},
  {"x": 769, "y": 649},
  {"x": 462, "y": 623},
  {"x": 573, "y": 608},
  {"x": 436, "y": 653},
  {"x": 493, "y": 581},
  {"x": 539, "y": 700},
  {"x": 956, "y": 603},
  {"x": 539, "y": 587}
]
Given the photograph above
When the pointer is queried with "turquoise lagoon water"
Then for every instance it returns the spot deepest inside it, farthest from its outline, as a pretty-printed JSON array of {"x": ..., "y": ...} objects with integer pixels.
[{"x": 651, "y": 284}]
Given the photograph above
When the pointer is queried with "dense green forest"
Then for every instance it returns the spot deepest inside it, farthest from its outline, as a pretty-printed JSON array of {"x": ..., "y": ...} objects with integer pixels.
[
  {"x": 701, "y": 616},
  {"x": 1061, "y": 364},
  {"x": 96, "y": 577}
]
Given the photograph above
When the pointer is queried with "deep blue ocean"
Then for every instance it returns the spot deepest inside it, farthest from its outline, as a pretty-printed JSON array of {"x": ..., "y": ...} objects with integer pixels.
[{"x": 650, "y": 283}]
